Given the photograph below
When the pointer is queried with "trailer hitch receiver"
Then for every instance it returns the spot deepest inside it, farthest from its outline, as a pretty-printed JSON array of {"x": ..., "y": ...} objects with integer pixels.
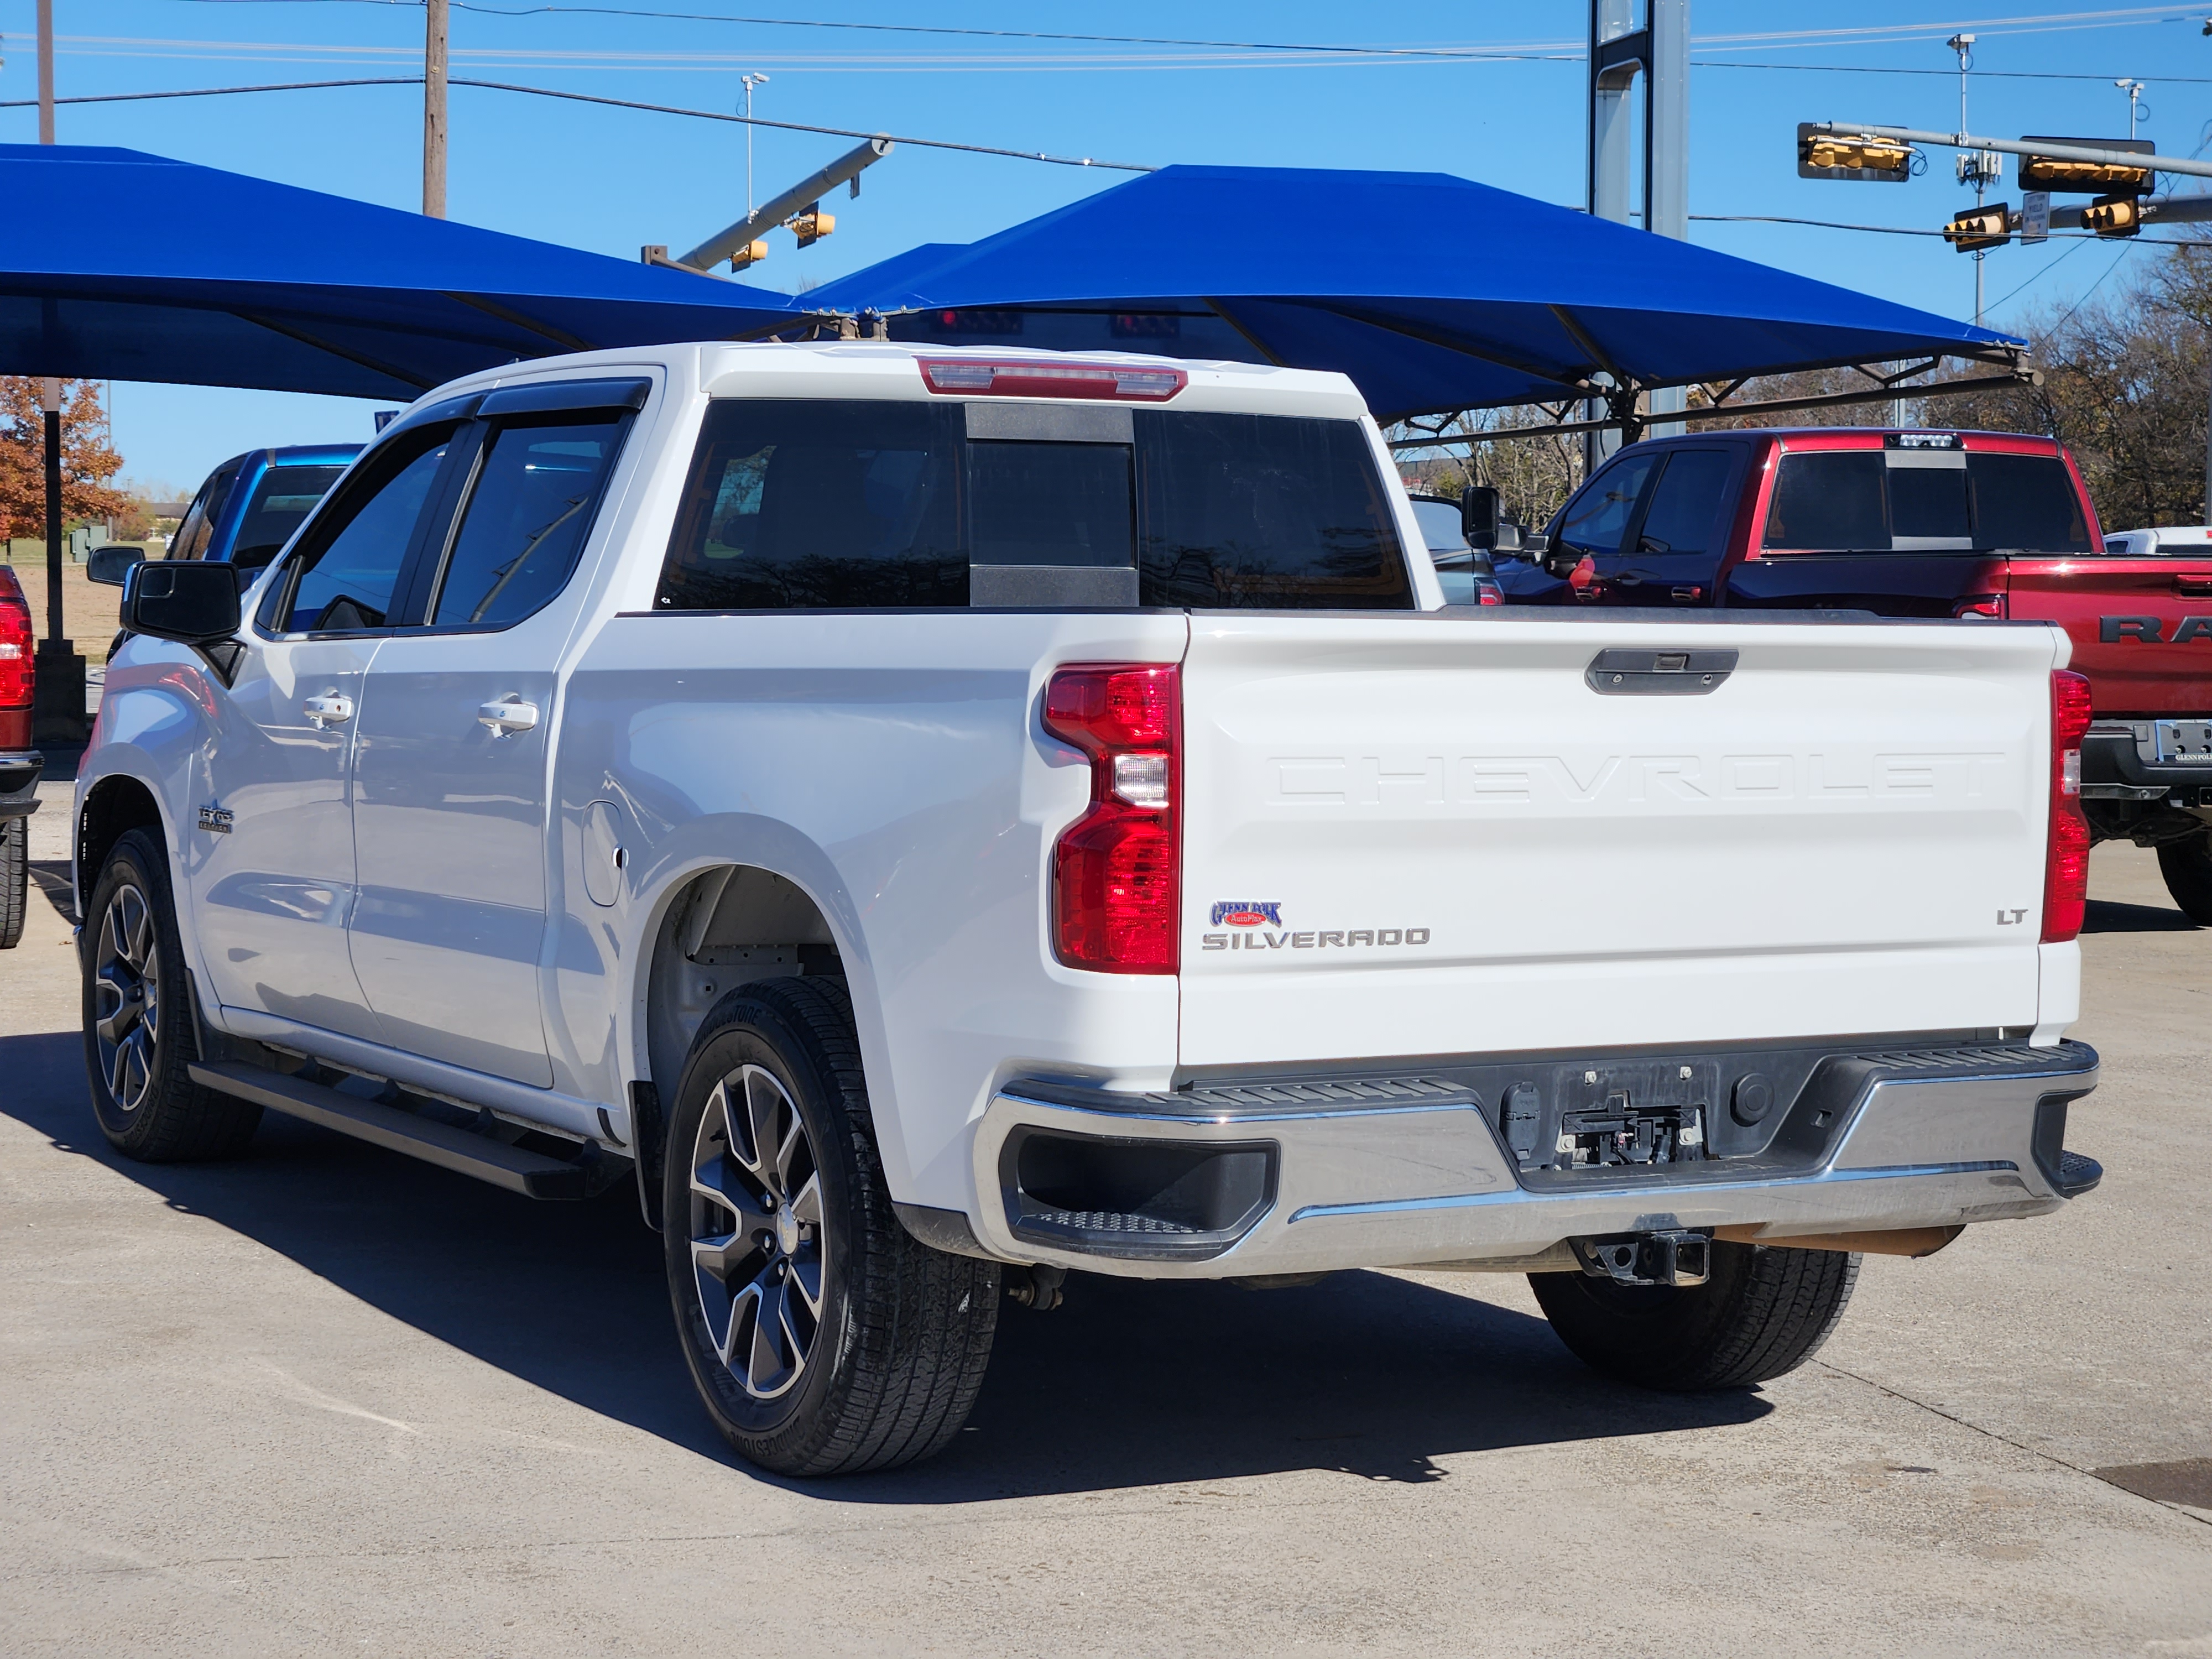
[{"x": 1668, "y": 1258}]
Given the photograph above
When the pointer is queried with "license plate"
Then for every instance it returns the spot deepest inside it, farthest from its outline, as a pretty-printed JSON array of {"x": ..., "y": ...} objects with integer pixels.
[{"x": 2188, "y": 742}]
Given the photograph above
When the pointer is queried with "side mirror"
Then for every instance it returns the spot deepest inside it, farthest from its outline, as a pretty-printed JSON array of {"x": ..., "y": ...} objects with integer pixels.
[
  {"x": 189, "y": 601},
  {"x": 110, "y": 566},
  {"x": 1478, "y": 515}
]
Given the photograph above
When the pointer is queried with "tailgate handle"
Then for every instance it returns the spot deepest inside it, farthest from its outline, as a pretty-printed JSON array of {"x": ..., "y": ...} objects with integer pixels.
[
  {"x": 1658, "y": 673},
  {"x": 2197, "y": 586}
]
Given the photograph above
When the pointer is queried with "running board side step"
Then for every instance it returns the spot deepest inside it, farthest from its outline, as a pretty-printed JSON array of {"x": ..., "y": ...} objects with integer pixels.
[{"x": 516, "y": 1168}]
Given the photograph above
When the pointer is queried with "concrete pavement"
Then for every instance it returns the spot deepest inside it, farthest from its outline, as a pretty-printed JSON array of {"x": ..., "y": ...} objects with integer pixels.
[{"x": 328, "y": 1399}]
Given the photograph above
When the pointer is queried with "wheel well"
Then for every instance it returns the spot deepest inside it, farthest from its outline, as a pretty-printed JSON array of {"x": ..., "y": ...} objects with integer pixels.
[
  {"x": 724, "y": 927},
  {"x": 115, "y": 806}
]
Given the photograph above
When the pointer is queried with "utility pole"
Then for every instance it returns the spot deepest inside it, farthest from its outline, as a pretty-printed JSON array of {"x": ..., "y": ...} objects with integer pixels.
[
  {"x": 433, "y": 109},
  {"x": 46, "y": 71}
]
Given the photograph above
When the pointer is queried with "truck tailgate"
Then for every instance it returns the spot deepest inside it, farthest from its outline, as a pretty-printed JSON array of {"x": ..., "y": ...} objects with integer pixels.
[
  {"x": 2142, "y": 627},
  {"x": 1430, "y": 835}
]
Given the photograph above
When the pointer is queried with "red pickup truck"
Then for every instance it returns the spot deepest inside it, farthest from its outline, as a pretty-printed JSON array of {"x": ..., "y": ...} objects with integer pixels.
[
  {"x": 20, "y": 764},
  {"x": 1968, "y": 525}
]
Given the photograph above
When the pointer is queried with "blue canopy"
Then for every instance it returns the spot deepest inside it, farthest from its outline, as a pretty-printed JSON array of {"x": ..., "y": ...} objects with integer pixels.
[
  {"x": 1433, "y": 293},
  {"x": 257, "y": 284}
]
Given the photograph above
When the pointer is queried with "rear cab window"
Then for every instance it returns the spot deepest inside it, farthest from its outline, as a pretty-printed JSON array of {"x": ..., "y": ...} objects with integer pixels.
[
  {"x": 798, "y": 504},
  {"x": 1933, "y": 500}
]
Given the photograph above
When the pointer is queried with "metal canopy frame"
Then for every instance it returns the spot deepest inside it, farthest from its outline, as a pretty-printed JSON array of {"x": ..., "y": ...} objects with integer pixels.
[{"x": 1884, "y": 385}]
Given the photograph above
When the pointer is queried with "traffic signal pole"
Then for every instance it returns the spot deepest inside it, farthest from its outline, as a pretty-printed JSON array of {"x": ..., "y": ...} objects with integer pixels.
[
  {"x": 2113, "y": 158},
  {"x": 1619, "y": 53}
]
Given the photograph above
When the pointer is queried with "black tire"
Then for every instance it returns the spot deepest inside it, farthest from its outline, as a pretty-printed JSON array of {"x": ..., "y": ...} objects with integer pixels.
[
  {"x": 2187, "y": 868},
  {"x": 1761, "y": 1312},
  {"x": 900, "y": 1333},
  {"x": 14, "y": 880},
  {"x": 136, "y": 1048}
]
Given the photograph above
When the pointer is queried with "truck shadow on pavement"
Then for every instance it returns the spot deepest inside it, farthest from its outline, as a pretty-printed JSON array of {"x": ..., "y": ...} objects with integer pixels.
[
  {"x": 2109, "y": 916},
  {"x": 1129, "y": 1384}
]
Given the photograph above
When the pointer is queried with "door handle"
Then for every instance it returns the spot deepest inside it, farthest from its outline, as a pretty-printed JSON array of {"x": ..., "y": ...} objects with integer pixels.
[
  {"x": 508, "y": 715},
  {"x": 327, "y": 710}
]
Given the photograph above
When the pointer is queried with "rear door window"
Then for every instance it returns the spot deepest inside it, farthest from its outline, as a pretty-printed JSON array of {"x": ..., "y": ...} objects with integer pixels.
[
  {"x": 529, "y": 508},
  {"x": 1685, "y": 503},
  {"x": 796, "y": 505},
  {"x": 1830, "y": 502},
  {"x": 282, "y": 497}
]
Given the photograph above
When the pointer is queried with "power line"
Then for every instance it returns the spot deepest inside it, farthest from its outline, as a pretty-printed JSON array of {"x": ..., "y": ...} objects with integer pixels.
[
  {"x": 1948, "y": 75},
  {"x": 1877, "y": 34},
  {"x": 590, "y": 98},
  {"x": 218, "y": 92},
  {"x": 1477, "y": 53},
  {"x": 2037, "y": 277},
  {"x": 800, "y": 126}
]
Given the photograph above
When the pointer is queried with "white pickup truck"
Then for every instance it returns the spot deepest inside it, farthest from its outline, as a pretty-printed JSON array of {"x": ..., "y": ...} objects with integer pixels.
[{"x": 940, "y": 820}]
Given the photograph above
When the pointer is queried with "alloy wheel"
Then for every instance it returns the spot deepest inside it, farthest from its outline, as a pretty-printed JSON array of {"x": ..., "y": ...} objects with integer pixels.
[
  {"x": 127, "y": 997},
  {"x": 758, "y": 1253}
]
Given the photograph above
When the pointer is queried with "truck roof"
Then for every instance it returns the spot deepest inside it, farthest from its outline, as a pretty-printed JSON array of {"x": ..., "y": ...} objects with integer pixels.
[
  {"x": 1869, "y": 437},
  {"x": 892, "y": 369}
]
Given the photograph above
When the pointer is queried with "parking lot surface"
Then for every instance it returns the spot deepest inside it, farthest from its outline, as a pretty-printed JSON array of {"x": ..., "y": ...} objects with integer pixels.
[{"x": 329, "y": 1399}]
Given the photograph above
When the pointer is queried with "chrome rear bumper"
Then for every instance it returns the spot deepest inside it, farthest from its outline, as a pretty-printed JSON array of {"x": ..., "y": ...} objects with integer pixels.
[{"x": 1409, "y": 1169}]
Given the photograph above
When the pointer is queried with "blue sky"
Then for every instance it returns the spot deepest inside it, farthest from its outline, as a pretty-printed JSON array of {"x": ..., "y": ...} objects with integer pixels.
[{"x": 610, "y": 180}]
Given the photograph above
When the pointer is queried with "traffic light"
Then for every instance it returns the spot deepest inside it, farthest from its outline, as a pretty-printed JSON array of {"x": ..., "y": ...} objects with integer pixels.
[
  {"x": 812, "y": 224},
  {"x": 1975, "y": 229},
  {"x": 1828, "y": 155},
  {"x": 750, "y": 254},
  {"x": 2114, "y": 216},
  {"x": 2096, "y": 177}
]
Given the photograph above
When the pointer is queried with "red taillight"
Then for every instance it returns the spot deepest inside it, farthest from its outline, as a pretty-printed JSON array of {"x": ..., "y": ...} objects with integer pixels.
[
  {"x": 1038, "y": 378},
  {"x": 1991, "y": 605},
  {"x": 2066, "y": 859},
  {"x": 15, "y": 664},
  {"x": 14, "y": 645},
  {"x": 1115, "y": 872},
  {"x": 1490, "y": 594}
]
